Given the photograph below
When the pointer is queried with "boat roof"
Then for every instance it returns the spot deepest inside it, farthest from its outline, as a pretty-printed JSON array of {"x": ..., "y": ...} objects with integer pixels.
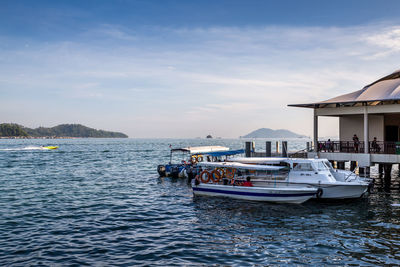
[
  {"x": 260, "y": 160},
  {"x": 201, "y": 149},
  {"x": 237, "y": 165},
  {"x": 224, "y": 153}
]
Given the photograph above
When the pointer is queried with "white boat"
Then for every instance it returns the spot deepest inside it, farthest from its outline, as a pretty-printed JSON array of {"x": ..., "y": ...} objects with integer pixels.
[
  {"x": 278, "y": 193},
  {"x": 336, "y": 184}
]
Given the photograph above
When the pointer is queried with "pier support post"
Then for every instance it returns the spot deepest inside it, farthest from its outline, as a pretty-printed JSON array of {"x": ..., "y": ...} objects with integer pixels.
[
  {"x": 284, "y": 149},
  {"x": 268, "y": 149},
  {"x": 248, "y": 150},
  {"x": 277, "y": 148},
  {"x": 366, "y": 132},
  {"x": 315, "y": 137},
  {"x": 367, "y": 171},
  {"x": 353, "y": 165},
  {"x": 340, "y": 165},
  {"x": 388, "y": 176},
  {"x": 361, "y": 171},
  {"x": 308, "y": 146},
  {"x": 380, "y": 170}
]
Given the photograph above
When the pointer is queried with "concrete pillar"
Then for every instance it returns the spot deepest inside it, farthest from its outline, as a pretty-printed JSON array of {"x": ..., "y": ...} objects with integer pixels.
[
  {"x": 315, "y": 136},
  {"x": 248, "y": 149},
  {"x": 340, "y": 165},
  {"x": 353, "y": 165},
  {"x": 268, "y": 149},
  {"x": 366, "y": 132},
  {"x": 277, "y": 147},
  {"x": 308, "y": 146},
  {"x": 388, "y": 176}
]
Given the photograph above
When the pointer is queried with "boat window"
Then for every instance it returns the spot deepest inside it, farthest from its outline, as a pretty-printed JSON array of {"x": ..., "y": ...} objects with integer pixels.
[
  {"x": 302, "y": 167},
  {"x": 321, "y": 166},
  {"x": 328, "y": 164}
]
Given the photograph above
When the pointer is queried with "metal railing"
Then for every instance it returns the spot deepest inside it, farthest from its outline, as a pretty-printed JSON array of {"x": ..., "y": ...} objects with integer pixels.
[{"x": 378, "y": 147}]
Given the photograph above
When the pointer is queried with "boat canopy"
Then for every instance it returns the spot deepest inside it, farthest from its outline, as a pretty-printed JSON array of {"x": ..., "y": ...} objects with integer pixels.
[
  {"x": 258, "y": 160},
  {"x": 201, "y": 149},
  {"x": 243, "y": 166},
  {"x": 224, "y": 153}
]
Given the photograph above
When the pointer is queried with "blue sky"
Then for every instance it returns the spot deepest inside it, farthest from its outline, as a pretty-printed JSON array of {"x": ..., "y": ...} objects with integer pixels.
[{"x": 189, "y": 68}]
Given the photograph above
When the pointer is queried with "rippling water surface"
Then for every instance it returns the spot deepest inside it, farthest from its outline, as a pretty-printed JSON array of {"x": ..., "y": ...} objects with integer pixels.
[{"x": 100, "y": 202}]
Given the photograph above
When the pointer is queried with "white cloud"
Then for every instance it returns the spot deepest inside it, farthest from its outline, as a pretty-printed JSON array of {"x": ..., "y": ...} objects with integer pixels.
[{"x": 191, "y": 82}]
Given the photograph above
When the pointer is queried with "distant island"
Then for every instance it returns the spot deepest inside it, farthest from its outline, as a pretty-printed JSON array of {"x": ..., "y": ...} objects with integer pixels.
[
  {"x": 269, "y": 133},
  {"x": 8, "y": 130}
]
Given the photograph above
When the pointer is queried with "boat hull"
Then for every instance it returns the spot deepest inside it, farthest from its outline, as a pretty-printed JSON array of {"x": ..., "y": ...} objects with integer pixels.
[
  {"x": 343, "y": 191},
  {"x": 277, "y": 195},
  {"x": 339, "y": 190}
]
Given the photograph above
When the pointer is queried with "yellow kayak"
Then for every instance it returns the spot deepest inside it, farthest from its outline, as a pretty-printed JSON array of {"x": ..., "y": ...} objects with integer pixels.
[{"x": 50, "y": 147}]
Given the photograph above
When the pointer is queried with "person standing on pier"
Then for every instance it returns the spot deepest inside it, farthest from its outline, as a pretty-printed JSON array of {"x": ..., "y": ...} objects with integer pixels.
[{"x": 356, "y": 143}]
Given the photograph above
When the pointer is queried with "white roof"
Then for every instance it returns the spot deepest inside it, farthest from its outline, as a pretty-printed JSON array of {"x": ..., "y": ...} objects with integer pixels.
[
  {"x": 201, "y": 149},
  {"x": 384, "y": 89},
  {"x": 260, "y": 160},
  {"x": 237, "y": 165}
]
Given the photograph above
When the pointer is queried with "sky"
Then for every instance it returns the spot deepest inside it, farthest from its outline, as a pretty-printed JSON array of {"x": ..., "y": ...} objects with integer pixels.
[{"x": 186, "y": 69}]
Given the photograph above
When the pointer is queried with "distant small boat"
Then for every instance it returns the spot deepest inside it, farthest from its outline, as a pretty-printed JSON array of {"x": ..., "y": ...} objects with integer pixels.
[
  {"x": 209, "y": 136},
  {"x": 49, "y": 147}
]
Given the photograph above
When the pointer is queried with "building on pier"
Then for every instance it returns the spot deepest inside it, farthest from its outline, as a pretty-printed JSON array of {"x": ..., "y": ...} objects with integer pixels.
[{"x": 373, "y": 111}]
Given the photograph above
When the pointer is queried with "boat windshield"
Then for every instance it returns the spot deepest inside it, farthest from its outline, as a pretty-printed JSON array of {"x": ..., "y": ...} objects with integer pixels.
[
  {"x": 321, "y": 166},
  {"x": 328, "y": 164}
]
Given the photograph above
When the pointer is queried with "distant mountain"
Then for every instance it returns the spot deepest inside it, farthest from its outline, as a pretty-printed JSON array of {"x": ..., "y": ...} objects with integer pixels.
[
  {"x": 12, "y": 129},
  {"x": 62, "y": 130},
  {"x": 269, "y": 133}
]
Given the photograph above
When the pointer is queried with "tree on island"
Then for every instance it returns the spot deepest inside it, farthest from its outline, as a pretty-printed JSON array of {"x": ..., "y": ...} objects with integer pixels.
[
  {"x": 63, "y": 130},
  {"x": 12, "y": 129}
]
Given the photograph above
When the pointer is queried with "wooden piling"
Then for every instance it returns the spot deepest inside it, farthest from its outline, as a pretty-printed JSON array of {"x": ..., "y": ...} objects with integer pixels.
[
  {"x": 268, "y": 149},
  {"x": 248, "y": 150},
  {"x": 284, "y": 149}
]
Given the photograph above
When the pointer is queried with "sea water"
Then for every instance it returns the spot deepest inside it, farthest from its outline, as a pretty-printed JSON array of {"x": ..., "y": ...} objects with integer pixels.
[{"x": 101, "y": 202}]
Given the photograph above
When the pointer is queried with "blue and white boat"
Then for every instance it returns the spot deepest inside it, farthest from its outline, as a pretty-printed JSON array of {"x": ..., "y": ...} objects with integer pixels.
[
  {"x": 211, "y": 183},
  {"x": 182, "y": 159}
]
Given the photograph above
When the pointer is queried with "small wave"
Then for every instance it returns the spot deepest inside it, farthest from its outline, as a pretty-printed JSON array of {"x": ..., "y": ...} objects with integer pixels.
[{"x": 24, "y": 148}]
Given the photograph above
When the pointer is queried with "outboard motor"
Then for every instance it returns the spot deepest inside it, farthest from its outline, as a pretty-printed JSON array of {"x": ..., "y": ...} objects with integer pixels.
[
  {"x": 190, "y": 174},
  {"x": 161, "y": 170},
  {"x": 174, "y": 172}
]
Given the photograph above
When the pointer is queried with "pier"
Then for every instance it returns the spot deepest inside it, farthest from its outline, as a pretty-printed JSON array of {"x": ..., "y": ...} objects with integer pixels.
[{"x": 369, "y": 128}]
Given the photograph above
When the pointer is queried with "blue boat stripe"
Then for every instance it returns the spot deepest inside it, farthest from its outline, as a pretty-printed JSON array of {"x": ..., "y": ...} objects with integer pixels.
[{"x": 251, "y": 193}]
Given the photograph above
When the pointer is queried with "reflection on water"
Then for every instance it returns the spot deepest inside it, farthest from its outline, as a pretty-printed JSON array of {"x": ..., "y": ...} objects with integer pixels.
[{"x": 100, "y": 202}]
